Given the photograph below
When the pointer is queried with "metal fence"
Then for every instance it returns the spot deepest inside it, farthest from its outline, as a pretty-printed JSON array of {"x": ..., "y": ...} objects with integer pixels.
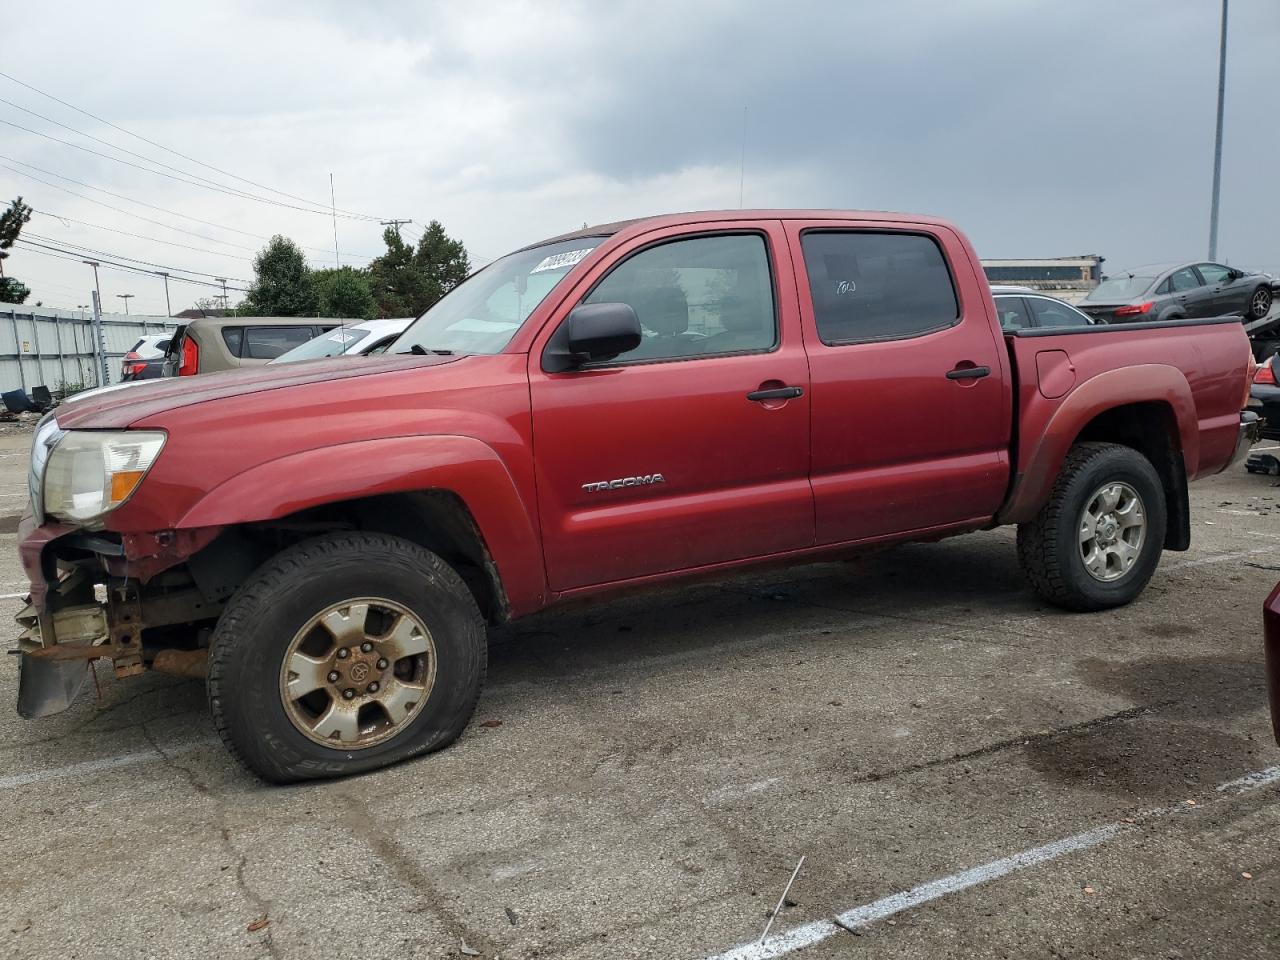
[{"x": 58, "y": 349}]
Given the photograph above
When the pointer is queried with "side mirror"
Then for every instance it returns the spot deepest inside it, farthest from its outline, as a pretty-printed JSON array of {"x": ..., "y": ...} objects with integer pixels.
[
  {"x": 1235, "y": 274},
  {"x": 592, "y": 331}
]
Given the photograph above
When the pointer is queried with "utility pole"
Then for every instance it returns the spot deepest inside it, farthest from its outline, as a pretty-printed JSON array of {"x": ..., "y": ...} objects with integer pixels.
[
  {"x": 333, "y": 207},
  {"x": 100, "y": 341},
  {"x": 125, "y": 297},
  {"x": 167, "y": 306},
  {"x": 96, "y": 285},
  {"x": 223, "y": 281},
  {"x": 395, "y": 224},
  {"x": 1217, "y": 140}
]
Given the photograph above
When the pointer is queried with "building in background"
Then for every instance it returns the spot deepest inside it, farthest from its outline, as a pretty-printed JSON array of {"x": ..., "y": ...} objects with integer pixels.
[{"x": 1067, "y": 278}]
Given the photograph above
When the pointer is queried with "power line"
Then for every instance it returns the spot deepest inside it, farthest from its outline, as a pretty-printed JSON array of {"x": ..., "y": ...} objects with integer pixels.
[
  {"x": 119, "y": 256},
  {"x": 150, "y": 206},
  {"x": 139, "y": 236},
  {"x": 79, "y": 258},
  {"x": 107, "y": 143},
  {"x": 229, "y": 191},
  {"x": 137, "y": 136}
]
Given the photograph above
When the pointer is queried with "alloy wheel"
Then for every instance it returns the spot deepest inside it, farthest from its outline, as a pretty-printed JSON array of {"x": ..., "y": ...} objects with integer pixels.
[
  {"x": 358, "y": 673},
  {"x": 1113, "y": 527}
]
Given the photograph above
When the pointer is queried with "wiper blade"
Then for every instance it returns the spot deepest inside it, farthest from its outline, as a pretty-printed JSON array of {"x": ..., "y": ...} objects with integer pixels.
[{"x": 420, "y": 351}]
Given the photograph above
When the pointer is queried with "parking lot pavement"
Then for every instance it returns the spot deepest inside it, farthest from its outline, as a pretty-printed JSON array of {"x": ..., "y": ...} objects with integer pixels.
[{"x": 915, "y": 724}]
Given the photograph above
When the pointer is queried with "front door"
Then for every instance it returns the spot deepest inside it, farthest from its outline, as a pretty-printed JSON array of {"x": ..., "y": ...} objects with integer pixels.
[
  {"x": 911, "y": 394},
  {"x": 693, "y": 448}
]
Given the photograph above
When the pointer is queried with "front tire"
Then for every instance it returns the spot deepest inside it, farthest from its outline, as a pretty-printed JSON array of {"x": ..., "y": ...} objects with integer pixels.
[
  {"x": 1260, "y": 303},
  {"x": 1097, "y": 541},
  {"x": 342, "y": 654}
]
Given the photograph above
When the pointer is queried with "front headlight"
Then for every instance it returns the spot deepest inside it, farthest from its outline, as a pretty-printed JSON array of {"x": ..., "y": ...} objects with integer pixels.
[{"x": 91, "y": 472}]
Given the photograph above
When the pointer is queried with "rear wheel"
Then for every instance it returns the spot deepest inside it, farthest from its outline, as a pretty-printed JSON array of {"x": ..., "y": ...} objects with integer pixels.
[
  {"x": 344, "y": 654},
  {"x": 1097, "y": 541},
  {"x": 1260, "y": 303}
]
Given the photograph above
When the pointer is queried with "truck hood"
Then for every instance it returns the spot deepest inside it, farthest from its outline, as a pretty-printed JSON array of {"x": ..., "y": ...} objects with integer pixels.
[{"x": 120, "y": 405}]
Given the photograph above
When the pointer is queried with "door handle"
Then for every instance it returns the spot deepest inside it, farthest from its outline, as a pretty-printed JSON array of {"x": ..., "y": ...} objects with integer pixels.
[
  {"x": 777, "y": 393},
  {"x": 968, "y": 373}
]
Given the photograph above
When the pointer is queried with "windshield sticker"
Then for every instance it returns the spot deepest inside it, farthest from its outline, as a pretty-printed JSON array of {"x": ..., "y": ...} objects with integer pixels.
[
  {"x": 562, "y": 261},
  {"x": 339, "y": 336}
]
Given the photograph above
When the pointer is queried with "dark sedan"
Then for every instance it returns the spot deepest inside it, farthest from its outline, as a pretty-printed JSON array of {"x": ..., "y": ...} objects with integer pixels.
[
  {"x": 1179, "y": 291},
  {"x": 1264, "y": 399}
]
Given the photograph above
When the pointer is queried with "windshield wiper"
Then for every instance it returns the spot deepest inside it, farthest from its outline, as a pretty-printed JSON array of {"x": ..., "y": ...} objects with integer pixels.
[{"x": 418, "y": 350}]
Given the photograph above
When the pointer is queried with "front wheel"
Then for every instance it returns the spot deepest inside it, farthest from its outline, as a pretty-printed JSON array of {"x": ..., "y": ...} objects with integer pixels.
[
  {"x": 1260, "y": 303},
  {"x": 343, "y": 654},
  {"x": 1097, "y": 541}
]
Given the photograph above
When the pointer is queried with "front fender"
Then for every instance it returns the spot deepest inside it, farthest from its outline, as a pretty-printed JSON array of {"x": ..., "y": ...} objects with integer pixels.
[
  {"x": 1142, "y": 383},
  {"x": 464, "y": 466}
]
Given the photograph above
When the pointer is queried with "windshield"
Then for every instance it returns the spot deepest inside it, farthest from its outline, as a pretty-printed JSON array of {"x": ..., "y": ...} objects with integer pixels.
[
  {"x": 329, "y": 344},
  {"x": 483, "y": 313},
  {"x": 1120, "y": 288}
]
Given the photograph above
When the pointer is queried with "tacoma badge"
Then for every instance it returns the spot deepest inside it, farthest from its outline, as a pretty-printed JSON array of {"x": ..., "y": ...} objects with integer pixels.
[{"x": 644, "y": 481}]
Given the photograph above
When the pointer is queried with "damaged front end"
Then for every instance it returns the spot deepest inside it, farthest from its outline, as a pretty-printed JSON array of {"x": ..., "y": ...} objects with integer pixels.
[{"x": 131, "y": 599}]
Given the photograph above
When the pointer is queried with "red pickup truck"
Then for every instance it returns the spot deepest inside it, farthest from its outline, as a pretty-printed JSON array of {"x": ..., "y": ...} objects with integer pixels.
[{"x": 619, "y": 406}]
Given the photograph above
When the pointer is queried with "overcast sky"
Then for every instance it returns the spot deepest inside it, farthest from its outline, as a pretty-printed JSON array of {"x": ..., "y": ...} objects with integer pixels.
[{"x": 1041, "y": 128}]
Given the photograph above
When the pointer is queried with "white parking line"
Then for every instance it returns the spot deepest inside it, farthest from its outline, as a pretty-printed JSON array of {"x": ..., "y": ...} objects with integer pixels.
[
  {"x": 93, "y": 766},
  {"x": 806, "y": 935}
]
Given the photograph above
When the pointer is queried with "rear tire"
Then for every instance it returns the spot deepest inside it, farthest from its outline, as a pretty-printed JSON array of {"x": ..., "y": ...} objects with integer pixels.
[
  {"x": 411, "y": 691},
  {"x": 1085, "y": 552}
]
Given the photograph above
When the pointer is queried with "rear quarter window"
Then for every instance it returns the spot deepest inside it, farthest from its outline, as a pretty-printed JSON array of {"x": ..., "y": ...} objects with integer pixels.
[
  {"x": 233, "y": 337},
  {"x": 877, "y": 286},
  {"x": 267, "y": 343}
]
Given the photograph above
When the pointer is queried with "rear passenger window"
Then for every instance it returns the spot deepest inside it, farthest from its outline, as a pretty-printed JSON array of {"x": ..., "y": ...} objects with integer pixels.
[
  {"x": 1012, "y": 313},
  {"x": 233, "y": 337},
  {"x": 706, "y": 295},
  {"x": 877, "y": 286},
  {"x": 267, "y": 343}
]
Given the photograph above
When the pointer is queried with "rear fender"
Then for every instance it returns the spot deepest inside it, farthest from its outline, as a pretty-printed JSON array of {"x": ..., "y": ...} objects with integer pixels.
[
  {"x": 1143, "y": 383},
  {"x": 464, "y": 466}
]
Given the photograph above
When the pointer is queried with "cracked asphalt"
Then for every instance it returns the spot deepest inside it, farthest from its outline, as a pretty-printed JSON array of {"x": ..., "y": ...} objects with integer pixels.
[{"x": 660, "y": 762}]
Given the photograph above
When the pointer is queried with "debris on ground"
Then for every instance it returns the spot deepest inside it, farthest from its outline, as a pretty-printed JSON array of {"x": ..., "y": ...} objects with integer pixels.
[
  {"x": 258, "y": 924},
  {"x": 468, "y": 951},
  {"x": 491, "y": 723}
]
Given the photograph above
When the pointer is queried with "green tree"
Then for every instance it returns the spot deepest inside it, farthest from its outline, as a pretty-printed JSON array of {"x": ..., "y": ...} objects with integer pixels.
[
  {"x": 345, "y": 293},
  {"x": 408, "y": 279},
  {"x": 11, "y": 224},
  {"x": 283, "y": 284}
]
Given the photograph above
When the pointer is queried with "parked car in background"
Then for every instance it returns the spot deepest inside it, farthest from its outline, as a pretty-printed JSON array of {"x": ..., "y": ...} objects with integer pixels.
[
  {"x": 145, "y": 359},
  {"x": 225, "y": 343},
  {"x": 358, "y": 339},
  {"x": 1176, "y": 291},
  {"x": 1264, "y": 398},
  {"x": 1024, "y": 308},
  {"x": 623, "y": 405}
]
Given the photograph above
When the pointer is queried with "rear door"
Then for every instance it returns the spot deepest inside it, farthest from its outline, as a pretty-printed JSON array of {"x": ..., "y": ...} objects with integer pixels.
[
  {"x": 1190, "y": 293},
  {"x": 911, "y": 412},
  {"x": 669, "y": 457}
]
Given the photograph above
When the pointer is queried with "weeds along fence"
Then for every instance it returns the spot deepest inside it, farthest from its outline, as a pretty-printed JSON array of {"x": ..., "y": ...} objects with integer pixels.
[{"x": 59, "y": 348}]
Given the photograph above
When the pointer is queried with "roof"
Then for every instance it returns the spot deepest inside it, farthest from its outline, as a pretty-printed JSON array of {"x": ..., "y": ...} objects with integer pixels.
[{"x": 642, "y": 224}]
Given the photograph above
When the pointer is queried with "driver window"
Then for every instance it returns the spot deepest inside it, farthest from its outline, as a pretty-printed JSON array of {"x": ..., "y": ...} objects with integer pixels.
[
  {"x": 1184, "y": 279},
  {"x": 1214, "y": 273},
  {"x": 707, "y": 295}
]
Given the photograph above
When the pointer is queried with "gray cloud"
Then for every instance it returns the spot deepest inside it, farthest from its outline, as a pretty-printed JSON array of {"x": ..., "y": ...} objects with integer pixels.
[{"x": 1041, "y": 128}]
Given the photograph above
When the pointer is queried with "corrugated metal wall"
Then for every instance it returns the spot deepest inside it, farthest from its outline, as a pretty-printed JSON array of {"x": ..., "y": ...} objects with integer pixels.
[{"x": 56, "y": 348}]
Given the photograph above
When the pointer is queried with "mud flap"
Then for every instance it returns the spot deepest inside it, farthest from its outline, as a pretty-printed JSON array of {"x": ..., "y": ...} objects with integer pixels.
[{"x": 46, "y": 687}]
